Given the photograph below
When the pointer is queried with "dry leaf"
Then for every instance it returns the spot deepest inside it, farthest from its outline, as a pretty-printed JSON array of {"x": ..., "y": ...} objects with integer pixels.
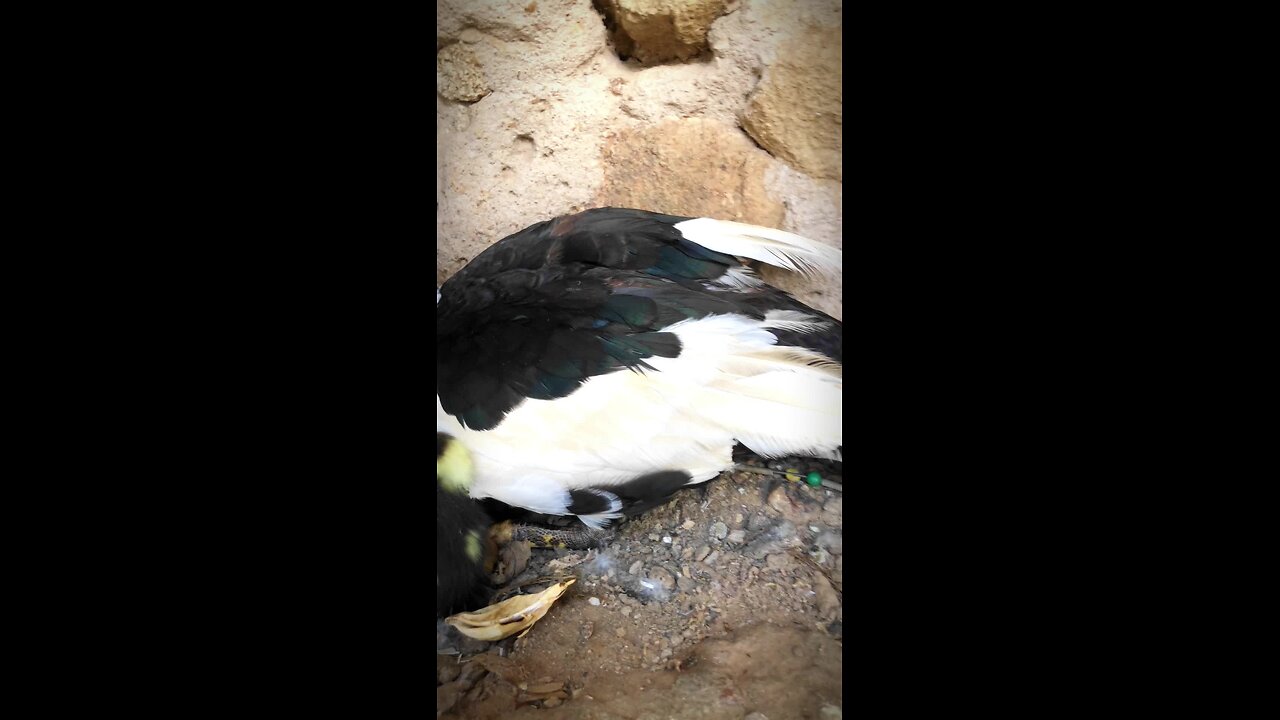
[{"x": 509, "y": 617}]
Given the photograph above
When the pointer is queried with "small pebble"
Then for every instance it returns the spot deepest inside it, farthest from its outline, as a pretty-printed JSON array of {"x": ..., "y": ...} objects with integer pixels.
[
  {"x": 778, "y": 499},
  {"x": 635, "y": 567},
  {"x": 826, "y": 598},
  {"x": 626, "y": 612},
  {"x": 676, "y": 548},
  {"x": 650, "y": 652},
  {"x": 831, "y": 541},
  {"x": 719, "y": 530},
  {"x": 712, "y": 557},
  {"x": 662, "y": 577},
  {"x": 688, "y": 525},
  {"x": 594, "y": 601},
  {"x": 620, "y": 632},
  {"x": 653, "y": 537},
  {"x": 737, "y": 536},
  {"x": 702, "y": 553},
  {"x": 764, "y": 545},
  {"x": 688, "y": 553},
  {"x": 666, "y": 539}
]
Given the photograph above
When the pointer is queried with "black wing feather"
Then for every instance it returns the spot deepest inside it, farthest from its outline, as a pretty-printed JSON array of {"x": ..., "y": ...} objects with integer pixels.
[{"x": 544, "y": 309}]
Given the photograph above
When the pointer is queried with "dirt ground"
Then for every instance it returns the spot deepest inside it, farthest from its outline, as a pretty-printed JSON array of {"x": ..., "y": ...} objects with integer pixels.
[{"x": 723, "y": 604}]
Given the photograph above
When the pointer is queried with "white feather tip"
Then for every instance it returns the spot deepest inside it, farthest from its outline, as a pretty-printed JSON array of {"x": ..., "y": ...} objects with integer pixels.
[{"x": 775, "y": 247}]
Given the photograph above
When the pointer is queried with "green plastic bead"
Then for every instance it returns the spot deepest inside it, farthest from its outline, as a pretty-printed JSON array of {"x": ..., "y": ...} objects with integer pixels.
[{"x": 814, "y": 479}]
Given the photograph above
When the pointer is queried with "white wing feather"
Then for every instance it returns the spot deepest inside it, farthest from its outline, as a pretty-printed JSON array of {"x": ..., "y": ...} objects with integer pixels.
[{"x": 776, "y": 247}]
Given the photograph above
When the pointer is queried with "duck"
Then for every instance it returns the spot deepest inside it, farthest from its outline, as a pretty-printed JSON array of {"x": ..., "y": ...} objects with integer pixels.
[
  {"x": 462, "y": 535},
  {"x": 593, "y": 364}
]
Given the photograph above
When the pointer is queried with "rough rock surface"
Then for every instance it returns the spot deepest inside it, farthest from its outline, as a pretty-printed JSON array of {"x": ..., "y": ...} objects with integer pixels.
[
  {"x": 796, "y": 113},
  {"x": 459, "y": 75},
  {"x": 654, "y": 31},
  {"x": 689, "y": 167},
  {"x": 564, "y": 122}
]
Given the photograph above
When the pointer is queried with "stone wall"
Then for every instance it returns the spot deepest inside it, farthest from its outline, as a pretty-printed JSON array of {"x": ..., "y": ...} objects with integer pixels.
[{"x": 714, "y": 108}]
